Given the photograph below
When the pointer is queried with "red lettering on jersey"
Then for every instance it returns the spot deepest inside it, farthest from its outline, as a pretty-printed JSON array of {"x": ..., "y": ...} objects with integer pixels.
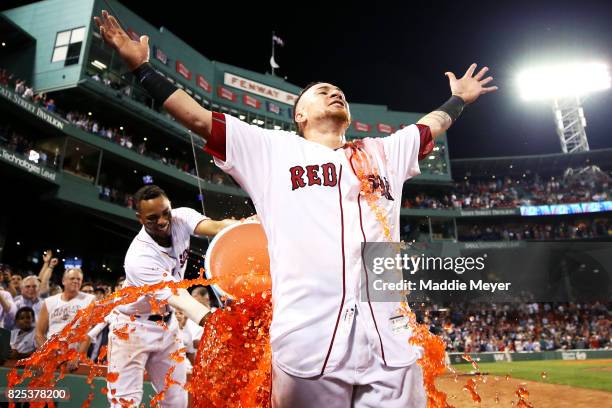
[
  {"x": 329, "y": 175},
  {"x": 313, "y": 177},
  {"x": 296, "y": 177}
]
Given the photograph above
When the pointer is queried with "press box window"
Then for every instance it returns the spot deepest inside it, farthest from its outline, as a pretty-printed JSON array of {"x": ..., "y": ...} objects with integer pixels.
[{"x": 68, "y": 46}]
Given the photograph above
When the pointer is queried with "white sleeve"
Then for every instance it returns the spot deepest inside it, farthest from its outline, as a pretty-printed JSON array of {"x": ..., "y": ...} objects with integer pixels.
[
  {"x": 147, "y": 270},
  {"x": 97, "y": 329},
  {"x": 190, "y": 217},
  {"x": 403, "y": 149},
  {"x": 248, "y": 152}
]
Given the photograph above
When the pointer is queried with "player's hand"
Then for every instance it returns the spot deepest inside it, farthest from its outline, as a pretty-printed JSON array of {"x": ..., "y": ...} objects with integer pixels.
[
  {"x": 205, "y": 319},
  {"x": 47, "y": 256},
  {"x": 134, "y": 53},
  {"x": 469, "y": 87},
  {"x": 53, "y": 263}
]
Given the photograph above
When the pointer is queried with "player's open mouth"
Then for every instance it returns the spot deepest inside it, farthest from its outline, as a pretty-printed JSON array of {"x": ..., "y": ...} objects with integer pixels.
[{"x": 340, "y": 103}]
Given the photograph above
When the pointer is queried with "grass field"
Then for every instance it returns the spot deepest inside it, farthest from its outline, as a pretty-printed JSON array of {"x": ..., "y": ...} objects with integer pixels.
[{"x": 593, "y": 374}]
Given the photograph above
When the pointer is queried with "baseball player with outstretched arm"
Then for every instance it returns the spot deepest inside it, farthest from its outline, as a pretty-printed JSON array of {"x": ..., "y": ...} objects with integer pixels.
[
  {"x": 137, "y": 339},
  {"x": 329, "y": 348}
]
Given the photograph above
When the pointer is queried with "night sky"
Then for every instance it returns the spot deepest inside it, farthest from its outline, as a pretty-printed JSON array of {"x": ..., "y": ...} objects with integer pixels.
[{"x": 396, "y": 55}]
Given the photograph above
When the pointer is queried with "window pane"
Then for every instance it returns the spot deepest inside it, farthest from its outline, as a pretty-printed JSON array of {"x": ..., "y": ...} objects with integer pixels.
[
  {"x": 63, "y": 37},
  {"x": 78, "y": 34},
  {"x": 72, "y": 56},
  {"x": 59, "y": 54}
]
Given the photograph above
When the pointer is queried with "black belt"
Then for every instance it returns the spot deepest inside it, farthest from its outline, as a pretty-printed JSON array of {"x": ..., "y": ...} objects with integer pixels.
[{"x": 157, "y": 318}]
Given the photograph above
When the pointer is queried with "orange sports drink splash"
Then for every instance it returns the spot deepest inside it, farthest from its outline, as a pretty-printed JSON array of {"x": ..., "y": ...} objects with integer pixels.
[{"x": 233, "y": 363}]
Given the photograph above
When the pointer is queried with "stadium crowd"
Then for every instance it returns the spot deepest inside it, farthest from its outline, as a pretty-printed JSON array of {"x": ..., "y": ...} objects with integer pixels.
[
  {"x": 515, "y": 192},
  {"x": 552, "y": 229},
  {"x": 521, "y": 326}
]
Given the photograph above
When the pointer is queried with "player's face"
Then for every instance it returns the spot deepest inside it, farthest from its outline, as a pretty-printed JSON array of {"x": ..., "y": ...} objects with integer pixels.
[
  {"x": 323, "y": 101},
  {"x": 156, "y": 216}
]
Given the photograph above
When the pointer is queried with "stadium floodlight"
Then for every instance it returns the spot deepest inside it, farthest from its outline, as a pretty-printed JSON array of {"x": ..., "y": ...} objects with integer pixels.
[
  {"x": 560, "y": 81},
  {"x": 566, "y": 86}
]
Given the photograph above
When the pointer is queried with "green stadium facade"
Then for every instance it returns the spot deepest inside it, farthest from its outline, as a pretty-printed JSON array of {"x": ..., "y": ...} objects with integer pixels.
[{"x": 86, "y": 178}]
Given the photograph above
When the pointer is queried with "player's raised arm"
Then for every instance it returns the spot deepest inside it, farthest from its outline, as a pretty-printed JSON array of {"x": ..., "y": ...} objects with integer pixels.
[
  {"x": 135, "y": 54},
  {"x": 464, "y": 90}
]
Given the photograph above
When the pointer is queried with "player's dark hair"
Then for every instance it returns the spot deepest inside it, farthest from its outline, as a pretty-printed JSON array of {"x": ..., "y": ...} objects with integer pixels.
[
  {"x": 307, "y": 87},
  {"x": 25, "y": 309},
  {"x": 148, "y": 192}
]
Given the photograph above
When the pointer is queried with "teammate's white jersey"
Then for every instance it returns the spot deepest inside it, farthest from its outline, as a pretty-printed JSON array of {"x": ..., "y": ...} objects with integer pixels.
[
  {"x": 308, "y": 199},
  {"x": 61, "y": 312},
  {"x": 148, "y": 263}
]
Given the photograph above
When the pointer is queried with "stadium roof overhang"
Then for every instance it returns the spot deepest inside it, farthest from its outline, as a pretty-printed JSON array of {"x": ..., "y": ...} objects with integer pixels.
[
  {"x": 543, "y": 164},
  {"x": 13, "y": 37}
]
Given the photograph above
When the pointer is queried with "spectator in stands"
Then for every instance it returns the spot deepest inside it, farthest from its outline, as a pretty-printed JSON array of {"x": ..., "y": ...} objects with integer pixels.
[
  {"x": 7, "y": 281},
  {"x": 59, "y": 310},
  {"x": 99, "y": 293},
  {"x": 30, "y": 296},
  {"x": 7, "y": 309},
  {"x": 88, "y": 288},
  {"x": 28, "y": 93},
  {"x": 186, "y": 338},
  {"x": 200, "y": 293},
  {"x": 19, "y": 87},
  {"x": 16, "y": 279},
  {"x": 54, "y": 289},
  {"x": 50, "y": 105},
  {"x": 22, "y": 336},
  {"x": 44, "y": 276}
]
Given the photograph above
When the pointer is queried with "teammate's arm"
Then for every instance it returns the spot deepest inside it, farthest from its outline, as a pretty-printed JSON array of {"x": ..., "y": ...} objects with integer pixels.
[
  {"x": 212, "y": 227},
  {"x": 136, "y": 56},
  {"x": 42, "y": 326},
  {"x": 464, "y": 90},
  {"x": 193, "y": 309}
]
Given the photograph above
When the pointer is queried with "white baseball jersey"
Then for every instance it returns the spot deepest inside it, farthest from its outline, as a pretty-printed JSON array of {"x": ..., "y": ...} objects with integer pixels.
[
  {"x": 308, "y": 199},
  {"x": 61, "y": 312},
  {"x": 148, "y": 263}
]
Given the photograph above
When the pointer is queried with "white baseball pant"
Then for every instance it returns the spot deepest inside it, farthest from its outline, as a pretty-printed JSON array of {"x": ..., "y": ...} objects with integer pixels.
[
  {"x": 148, "y": 348},
  {"x": 359, "y": 381}
]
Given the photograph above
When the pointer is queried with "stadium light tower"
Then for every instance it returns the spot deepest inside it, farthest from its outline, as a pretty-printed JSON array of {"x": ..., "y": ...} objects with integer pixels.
[{"x": 566, "y": 86}]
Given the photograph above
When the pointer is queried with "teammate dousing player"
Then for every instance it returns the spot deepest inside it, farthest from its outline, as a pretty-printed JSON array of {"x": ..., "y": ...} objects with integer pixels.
[
  {"x": 329, "y": 349},
  {"x": 158, "y": 253}
]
